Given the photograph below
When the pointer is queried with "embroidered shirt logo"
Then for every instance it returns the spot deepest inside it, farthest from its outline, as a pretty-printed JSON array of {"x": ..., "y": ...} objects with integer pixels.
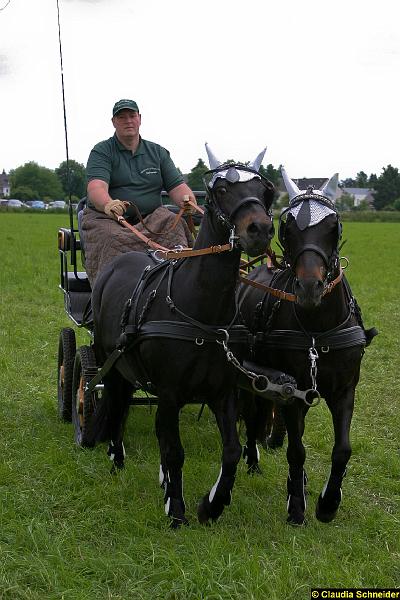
[{"x": 150, "y": 171}]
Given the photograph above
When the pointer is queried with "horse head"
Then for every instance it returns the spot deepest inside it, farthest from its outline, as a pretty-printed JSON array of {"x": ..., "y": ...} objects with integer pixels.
[
  {"x": 309, "y": 232},
  {"x": 240, "y": 199}
]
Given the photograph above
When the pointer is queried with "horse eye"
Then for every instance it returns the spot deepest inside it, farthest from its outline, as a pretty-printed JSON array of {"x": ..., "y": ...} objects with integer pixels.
[{"x": 222, "y": 190}]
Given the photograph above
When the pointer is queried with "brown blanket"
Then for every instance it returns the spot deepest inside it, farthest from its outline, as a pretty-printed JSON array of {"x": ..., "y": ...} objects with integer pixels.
[{"x": 104, "y": 238}]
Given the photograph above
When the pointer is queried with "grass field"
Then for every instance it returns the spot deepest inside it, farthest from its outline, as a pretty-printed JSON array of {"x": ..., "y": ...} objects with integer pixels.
[{"x": 69, "y": 530}]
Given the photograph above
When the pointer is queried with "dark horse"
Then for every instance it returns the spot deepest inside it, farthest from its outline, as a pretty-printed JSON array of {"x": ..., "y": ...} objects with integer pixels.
[
  {"x": 175, "y": 322},
  {"x": 312, "y": 329}
]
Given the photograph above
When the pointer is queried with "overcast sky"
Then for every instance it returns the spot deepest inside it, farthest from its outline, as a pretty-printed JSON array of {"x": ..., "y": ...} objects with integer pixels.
[{"x": 316, "y": 81}]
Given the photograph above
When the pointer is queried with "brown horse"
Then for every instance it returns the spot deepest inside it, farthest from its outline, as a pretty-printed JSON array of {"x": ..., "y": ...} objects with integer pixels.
[
  {"x": 312, "y": 329},
  {"x": 178, "y": 319}
]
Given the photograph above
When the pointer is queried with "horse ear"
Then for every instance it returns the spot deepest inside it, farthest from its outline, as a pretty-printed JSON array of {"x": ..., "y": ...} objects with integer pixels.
[
  {"x": 290, "y": 186},
  {"x": 212, "y": 159},
  {"x": 330, "y": 188},
  {"x": 256, "y": 163}
]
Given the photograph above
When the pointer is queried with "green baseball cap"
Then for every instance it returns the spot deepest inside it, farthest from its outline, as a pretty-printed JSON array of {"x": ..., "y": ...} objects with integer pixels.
[{"x": 121, "y": 104}]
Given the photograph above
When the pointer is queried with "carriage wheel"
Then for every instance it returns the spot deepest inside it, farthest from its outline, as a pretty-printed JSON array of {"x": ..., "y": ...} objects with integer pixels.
[
  {"x": 84, "y": 402},
  {"x": 66, "y": 357}
]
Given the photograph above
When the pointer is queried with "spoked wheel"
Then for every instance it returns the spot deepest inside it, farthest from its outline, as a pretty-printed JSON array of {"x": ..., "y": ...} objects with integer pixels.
[
  {"x": 84, "y": 402},
  {"x": 66, "y": 357}
]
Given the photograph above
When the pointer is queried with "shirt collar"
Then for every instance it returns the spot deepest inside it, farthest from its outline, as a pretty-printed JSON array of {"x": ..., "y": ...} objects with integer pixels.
[{"x": 122, "y": 148}]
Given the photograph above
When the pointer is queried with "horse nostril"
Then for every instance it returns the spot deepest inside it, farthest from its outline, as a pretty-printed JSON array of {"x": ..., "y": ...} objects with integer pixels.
[{"x": 253, "y": 228}]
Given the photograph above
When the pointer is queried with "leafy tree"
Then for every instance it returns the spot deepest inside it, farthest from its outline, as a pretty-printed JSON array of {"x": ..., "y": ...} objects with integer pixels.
[
  {"x": 396, "y": 204},
  {"x": 195, "y": 177},
  {"x": 345, "y": 202},
  {"x": 387, "y": 187},
  {"x": 274, "y": 175},
  {"x": 23, "y": 192},
  {"x": 372, "y": 181},
  {"x": 349, "y": 182},
  {"x": 73, "y": 180},
  {"x": 361, "y": 180},
  {"x": 43, "y": 181}
]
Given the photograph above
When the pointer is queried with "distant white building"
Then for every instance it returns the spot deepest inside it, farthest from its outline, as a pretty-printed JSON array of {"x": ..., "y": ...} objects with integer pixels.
[
  {"x": 360, "y": 195},
  {"x": 4, "y": 184}
]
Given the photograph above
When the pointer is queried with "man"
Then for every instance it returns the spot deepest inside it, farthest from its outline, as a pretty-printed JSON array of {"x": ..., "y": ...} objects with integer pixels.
[{"x": 125, "y": 176}]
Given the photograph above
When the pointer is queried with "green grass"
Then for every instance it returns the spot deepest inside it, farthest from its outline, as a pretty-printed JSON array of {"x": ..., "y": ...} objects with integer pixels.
[{"x": 69, "y": 530}]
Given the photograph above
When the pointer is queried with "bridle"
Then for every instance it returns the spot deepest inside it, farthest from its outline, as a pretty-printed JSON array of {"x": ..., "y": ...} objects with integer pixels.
[
  {"x": 233, "y": 176},
  {"x": 334, "y": 271},
  {"x": 290, "y": 260}
]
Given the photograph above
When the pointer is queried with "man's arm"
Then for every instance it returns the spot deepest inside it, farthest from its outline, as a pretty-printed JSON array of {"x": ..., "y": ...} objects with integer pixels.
[
  {"x": 177, "y": 193},
  {"x": 97, "y": 191}
]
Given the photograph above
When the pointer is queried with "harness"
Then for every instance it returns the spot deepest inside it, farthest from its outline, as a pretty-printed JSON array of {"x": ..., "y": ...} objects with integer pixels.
[{"x": 134, "y": 327}]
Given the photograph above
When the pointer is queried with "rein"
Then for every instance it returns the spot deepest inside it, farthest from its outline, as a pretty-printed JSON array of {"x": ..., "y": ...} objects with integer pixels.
[
  {"x": 184, "y": 252},
  {"x": 286, "y": 295}
]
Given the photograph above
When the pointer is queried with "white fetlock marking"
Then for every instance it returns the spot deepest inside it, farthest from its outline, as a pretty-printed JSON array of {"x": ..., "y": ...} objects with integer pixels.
[
  {"x": 112, "y": 455},
  {"x": 123, "y": 450},
  {"x": 166, "y": 506},
  {"x": 161, "y": 476},
  {"x": 258, "y": 453},
  {"x": 183, "y": 499},
  {"x": 214, "y": 488},
  {"x": 324, "y": 488}
]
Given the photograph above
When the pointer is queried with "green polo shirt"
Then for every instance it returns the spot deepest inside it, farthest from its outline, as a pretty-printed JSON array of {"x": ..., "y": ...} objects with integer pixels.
[{"x": 137, "y": 177}]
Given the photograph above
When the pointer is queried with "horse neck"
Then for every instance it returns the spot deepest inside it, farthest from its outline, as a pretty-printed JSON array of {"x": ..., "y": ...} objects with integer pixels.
[{"x": 211, "y": 279}]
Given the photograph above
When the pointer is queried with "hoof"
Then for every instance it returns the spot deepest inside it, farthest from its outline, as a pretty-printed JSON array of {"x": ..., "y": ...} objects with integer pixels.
[
  {"x": 296, "y": 521},
  {"x": 323, "y": 514},
  {"x": 116, "y": 468},
  {"x": 177, "y": 523},
  {"x": 254, "y": 469},
  {"x": 273, "y": 443},
  {"x": 203, "y": 512}
]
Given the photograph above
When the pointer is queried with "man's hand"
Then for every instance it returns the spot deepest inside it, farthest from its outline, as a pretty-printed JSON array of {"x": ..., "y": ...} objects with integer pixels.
[
  {"x": 115, "y": 208},
  {"x": 189, "y": 210}
]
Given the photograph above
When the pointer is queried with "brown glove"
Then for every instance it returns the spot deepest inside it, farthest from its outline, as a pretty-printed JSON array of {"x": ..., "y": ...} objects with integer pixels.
[
  {"x": 115, "y": 208},
  {"x": 189, "y": 210}
]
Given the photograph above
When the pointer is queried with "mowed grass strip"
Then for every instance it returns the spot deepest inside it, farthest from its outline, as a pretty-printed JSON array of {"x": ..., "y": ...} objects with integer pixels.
[{"x": 69, "y": 530}]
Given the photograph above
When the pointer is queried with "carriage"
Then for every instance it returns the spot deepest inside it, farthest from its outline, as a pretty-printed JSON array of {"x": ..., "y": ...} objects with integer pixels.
[
  {"x": 77, "y": 366},
  {"x": 198, "y": 360}
]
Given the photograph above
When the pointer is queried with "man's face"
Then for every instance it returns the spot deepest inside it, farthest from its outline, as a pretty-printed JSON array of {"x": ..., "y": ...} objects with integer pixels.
[{"x": 126, "y": 122}]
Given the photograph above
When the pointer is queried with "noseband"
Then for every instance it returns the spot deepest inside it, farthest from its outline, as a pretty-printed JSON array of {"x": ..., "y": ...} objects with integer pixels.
[{"x": 233, "y": 177}]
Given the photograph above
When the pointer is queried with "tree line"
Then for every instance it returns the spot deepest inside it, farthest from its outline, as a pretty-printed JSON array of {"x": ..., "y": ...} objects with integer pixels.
[{"x": 34, "y": 182}]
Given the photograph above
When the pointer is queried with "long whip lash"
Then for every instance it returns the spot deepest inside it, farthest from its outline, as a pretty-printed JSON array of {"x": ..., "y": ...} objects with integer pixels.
[{"x": 65, "y": 121}]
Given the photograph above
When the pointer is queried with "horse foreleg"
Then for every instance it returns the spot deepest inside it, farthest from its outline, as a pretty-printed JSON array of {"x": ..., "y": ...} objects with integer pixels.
[
  {"x": 331, "y": 495},
  {"x": 212, "y": 504},
  {"x": 278, "y": 429},
  {"x": 117, "y": 393},
  {"x": 249, "y": 414},
  {"x": 171, "y": 461},
  {"x": 294, "y": 416}
]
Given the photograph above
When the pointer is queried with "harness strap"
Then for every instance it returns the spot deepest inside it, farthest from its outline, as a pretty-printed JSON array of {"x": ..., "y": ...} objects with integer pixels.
[
  {"x": 181, "y": 330},
  {"x": 298, "y": 340}
]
